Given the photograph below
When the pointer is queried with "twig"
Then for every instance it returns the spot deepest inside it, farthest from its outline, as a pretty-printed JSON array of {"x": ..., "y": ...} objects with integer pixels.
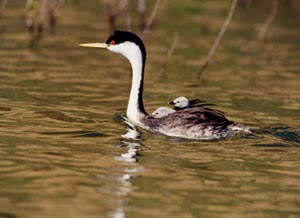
[
  {"x": 170, "y": 51},
  {"x": 128, "y": 20},
  {"x": 269, "y": 20},
  {"x": 141, "y": 8},
  {"x": 113, "y": 10},
  {"x": 123, "y": 7},
  {"x": 218, "y": 39},
  {"x": 151, "y": 19},
  {"x": 173, "y": 46}
]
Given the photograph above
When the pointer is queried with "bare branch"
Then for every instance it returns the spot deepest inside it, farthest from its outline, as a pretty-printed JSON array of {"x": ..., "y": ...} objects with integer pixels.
[
  {"x": 113, "y": 10},
  {"x": 269, "y": 20},
  {"x": 170, "y": 51},
  {"x": 173, "y": 45},
  {"x": 151, "y": 19},
  {"x": 218, "y": 39},
  {"x": 141, "y": 8},
  {"x": 128, "y": 20}
]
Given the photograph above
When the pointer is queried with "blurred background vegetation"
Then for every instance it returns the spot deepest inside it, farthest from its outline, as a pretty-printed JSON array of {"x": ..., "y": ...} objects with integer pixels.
[{"x": 165, "y": 20}]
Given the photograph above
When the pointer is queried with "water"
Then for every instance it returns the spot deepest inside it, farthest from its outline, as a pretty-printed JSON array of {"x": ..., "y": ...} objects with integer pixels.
[{"x": 62, "y": 153}]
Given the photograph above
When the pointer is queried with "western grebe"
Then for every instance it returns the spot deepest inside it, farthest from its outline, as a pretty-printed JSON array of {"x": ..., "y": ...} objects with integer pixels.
[
  {"x": 162, "y": 112},
  {"x": 191, "y": 123}
]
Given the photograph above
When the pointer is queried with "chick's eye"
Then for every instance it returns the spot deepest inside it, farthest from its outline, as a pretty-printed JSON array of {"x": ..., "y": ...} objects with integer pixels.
[{"x": 112, "y": 42}]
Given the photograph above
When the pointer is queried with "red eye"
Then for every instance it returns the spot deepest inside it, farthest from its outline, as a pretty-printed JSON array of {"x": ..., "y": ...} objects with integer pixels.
[{"x": 112, "y": 42}]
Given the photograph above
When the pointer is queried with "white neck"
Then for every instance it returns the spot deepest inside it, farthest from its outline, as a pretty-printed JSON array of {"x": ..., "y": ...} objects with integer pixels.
[{"x": 135, "y": 108}]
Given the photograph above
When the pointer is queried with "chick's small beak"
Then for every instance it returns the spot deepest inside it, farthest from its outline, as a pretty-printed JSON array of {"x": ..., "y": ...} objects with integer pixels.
[
  {"x": 94, "y": 45},
  {"x": 172, "y": 102}
]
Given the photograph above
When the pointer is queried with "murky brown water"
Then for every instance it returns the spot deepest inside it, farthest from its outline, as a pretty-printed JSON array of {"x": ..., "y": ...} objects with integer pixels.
[{"x": 60, "y": 131}]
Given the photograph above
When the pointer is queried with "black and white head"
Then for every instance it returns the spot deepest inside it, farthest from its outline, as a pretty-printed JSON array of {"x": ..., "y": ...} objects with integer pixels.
[
  {"x": 125, "y": 43},
  {"x": 162, "y": 112},
  {"x": 180, "y": 102},
  {"x": 132, "y": 47}
]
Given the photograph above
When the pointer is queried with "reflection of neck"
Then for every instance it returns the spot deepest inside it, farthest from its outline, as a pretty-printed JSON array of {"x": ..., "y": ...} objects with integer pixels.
[{"x": 135, "y": 108}]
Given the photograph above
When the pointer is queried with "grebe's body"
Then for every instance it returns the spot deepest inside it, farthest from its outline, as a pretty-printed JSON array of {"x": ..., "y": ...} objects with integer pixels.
[
  {"x": 196, "y": 123},
  {"x": 191, "y": 123}
]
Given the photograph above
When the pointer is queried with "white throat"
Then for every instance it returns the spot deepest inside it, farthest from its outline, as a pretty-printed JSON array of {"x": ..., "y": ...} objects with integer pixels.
[{"x": 133, "y": 53}]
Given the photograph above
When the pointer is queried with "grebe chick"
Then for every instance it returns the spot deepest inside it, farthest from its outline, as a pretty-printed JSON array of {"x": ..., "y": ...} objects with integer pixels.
[
  {"x": 179, "y": 103},
  {"x": 192, "y": 123},
  {"x": 183, "y": 102},
  {"x": 162, "y": 112}
]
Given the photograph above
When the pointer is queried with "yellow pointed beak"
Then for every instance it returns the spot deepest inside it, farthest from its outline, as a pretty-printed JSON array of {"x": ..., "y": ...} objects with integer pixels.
[{"x": 94, "y": 45}]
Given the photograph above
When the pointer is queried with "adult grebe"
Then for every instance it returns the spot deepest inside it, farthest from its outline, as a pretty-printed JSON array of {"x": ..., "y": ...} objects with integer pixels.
[{"x": 191, "y": 123}]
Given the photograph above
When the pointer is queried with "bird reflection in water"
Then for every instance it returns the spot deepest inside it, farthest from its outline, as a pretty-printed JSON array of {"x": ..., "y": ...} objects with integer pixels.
[
  {"x": 130, "y": 141},
  {"x": 123, "y": 182}
]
